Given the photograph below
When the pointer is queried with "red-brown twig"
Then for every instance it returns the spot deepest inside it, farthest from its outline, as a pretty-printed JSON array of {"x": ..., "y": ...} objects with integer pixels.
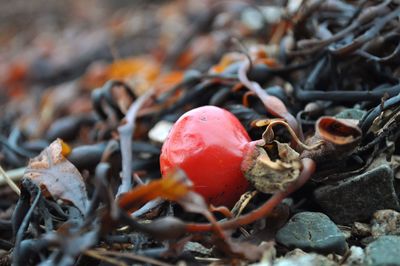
[
  {"x": 265, "y": 209},
  {"x": 273, "y": 104}
]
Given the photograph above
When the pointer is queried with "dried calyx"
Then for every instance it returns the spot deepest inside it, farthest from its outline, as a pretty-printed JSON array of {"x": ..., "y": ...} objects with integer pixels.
[
  {"x": 339, "y": 136},
  {"x": 271, "y": 166}
]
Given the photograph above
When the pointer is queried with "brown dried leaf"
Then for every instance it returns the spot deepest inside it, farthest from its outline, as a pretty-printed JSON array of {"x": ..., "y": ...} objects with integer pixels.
[
  {"x": 175, "y": 187},
  {"x": 57, "y": 177},
  {"x": 171, "y": 187}
]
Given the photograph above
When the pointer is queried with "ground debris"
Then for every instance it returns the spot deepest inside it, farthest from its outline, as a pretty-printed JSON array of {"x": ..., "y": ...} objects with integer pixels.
[{"x": 90, "y": 92}]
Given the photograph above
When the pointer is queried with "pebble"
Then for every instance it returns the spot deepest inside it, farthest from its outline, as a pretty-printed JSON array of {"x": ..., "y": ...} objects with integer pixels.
[
  {"x": 384, "y": 251},
  {"x": 374, "y": 191},
  {"x": 361, "y": 229},
  {"x": 385, "y": 222},
  {"x": 159, "y": 132},
  {"x": 197, "y": 248},
  {"x": 312, "y": 231},
  {"x": 355, "y": 114},
  {"x": 299, "y": 258},
  {"x": 356, "y": 257}
]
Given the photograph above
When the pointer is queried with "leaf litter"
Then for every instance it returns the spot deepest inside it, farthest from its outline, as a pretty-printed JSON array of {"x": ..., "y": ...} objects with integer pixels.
[{"x": 314, "y": 84}]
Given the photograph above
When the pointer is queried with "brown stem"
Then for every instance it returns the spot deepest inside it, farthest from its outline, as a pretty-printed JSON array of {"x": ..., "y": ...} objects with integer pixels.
[
  {"x": 265, "y": 209},
  {"x": 273, "y": 104}
]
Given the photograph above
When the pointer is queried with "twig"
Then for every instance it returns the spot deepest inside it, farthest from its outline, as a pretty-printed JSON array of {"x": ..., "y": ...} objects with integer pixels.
[
  {"x": 243, "y": 202},
  {"x": 9, "y": 181},
  {"x": 96, "y": 254},
  {"x": 270, "y": 123},
  {"x": 22, "y": 228},
  {"x": 134, "y": 257},
  {"x": 345, "y": 96},
  {"x": 368, "y": 35},
  {"x": 126, "y": 131},
  {"x": 273, "y": 104},
  {"x": 266, "y": 208},
  {"x": 147, "y": 207}
]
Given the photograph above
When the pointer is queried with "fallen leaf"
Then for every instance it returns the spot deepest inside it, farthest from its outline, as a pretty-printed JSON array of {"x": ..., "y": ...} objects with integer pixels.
[
  {"x": 170, "y": 187},
  {"x": 175, "y": 187},
  {"x": 57, "y": 177}
]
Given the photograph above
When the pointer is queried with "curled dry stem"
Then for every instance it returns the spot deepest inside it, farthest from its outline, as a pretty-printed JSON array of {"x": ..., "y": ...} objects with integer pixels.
[
  {"x": 263, "y": 210},
  {"x": 269, "y": 133},
  {"x": 273, "y": 104},
  {"x": 10, "y": 182}
]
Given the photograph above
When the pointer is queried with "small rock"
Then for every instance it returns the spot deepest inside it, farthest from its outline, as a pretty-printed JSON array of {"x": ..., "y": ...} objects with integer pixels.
[
  {"x": 197, "y": 248},
  {"x": 357, "y": 198},
  {"x": 355, "y": 114},
  {"x": 361, "y": 229},
  {"x": 366, "y": 241},
  {"x": 356, "y": 257},
  {"x": 312, "y": 231},
  {"x": 159, "y": 132},
  {"x": 383, "y": 251},
  {"x": 299, "y": 258},
  {"x": 385, "y": 222},
  {"x": 346, "y": 231}
]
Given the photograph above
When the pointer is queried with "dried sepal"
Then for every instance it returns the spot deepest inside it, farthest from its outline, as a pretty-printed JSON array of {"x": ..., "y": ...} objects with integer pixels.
[
  {"x": 338, "y": 131},
  {"x": 271, "y": 175},
  {"x": 339, "y": 137},
  {"x": 268, "y": 135}
]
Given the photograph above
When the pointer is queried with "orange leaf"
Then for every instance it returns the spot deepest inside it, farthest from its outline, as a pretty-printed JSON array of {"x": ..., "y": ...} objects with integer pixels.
[
  {"x": 146, "y": 68},
  {"x": 227, "y": 60},
  {"x": 167, "y": 81},
  {"x": 170, "y": 188}
]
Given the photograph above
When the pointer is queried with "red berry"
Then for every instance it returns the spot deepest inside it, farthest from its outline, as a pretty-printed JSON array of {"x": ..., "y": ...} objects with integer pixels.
[{"x": 208, "y": 143}]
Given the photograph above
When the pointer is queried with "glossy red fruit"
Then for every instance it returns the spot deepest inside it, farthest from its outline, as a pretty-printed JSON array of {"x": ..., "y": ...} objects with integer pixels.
[{"x": 208, "y": 143}]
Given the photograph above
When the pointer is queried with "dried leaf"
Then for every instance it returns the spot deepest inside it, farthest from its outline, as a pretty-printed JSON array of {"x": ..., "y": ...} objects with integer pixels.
[
  {"x": 57, "y": 177},
  {"x": 170, "y": 187},
  {"x": 140, "y": 72},
  {"x": 226, "y": 61},
  {"x": 176, "y": 187}
]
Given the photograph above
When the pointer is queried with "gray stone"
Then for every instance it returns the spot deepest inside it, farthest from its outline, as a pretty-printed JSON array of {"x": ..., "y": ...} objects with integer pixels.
[
  {"x": 197, "y": 248},
  {"x": 357, "y": 198},
  {"x": 384, "y": 251},
  {"x": 312, "y": 231},
  {"x": 385, "y": 222},
  {"x": 361, "y": 229},
  {"x": 356, "y": 114}
]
